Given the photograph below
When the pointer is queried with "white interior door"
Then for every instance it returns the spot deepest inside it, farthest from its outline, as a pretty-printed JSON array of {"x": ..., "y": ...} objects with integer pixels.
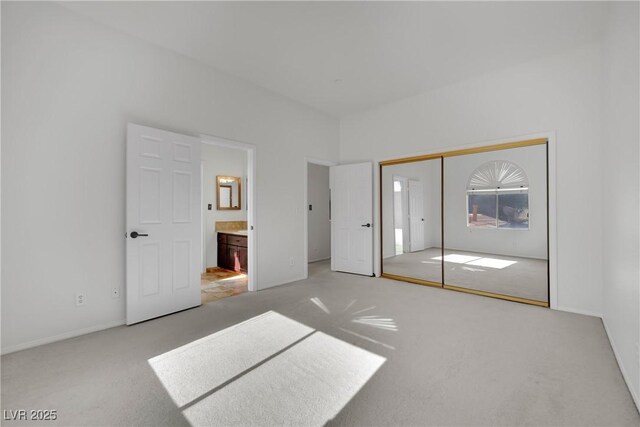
[
  {"x": 352, "y": 218},
  {"x": 416, "y": 215},
  {"x": 163, "y": 223}
]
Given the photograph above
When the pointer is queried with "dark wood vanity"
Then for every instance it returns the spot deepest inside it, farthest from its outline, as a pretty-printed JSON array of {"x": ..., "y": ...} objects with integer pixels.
[{"x": 232, "y": 251}]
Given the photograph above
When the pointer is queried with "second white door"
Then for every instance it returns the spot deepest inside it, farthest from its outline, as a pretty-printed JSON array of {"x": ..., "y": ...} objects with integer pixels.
[
  {"x": 352, "y": 218},
  {"x": 416, "y": 215}
]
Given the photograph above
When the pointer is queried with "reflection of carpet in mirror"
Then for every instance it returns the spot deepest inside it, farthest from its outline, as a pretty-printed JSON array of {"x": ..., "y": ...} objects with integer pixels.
[{"x": 218, "y": 283}]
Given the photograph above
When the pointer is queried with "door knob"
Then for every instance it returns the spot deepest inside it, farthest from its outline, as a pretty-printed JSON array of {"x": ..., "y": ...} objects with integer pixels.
[
  {"x": 366, "y": 225},
  {"x": 135, "y": 234}
]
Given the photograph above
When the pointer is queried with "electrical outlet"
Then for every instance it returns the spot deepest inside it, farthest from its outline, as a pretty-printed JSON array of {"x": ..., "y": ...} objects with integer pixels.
[
  {"x": 79, "y": 300},
  {"x": 292, "y": 261},
  {"x": 115, "y": 293}
]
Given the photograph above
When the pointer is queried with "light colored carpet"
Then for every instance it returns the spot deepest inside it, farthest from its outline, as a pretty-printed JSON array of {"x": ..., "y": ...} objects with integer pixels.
[
  {"x": 507, "y": 275},
  {"x": 451, "y": 359}
]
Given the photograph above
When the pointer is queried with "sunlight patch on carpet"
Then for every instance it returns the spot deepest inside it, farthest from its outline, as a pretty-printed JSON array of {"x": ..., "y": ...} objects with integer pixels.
[
  {"x": 306, "y": 385},
  {"x": 377, "y": 322},
  {"x": 492, "y": 263},
  {"x": 268, "y": 370},
  {"x": 194, "y": 369},
  {"x": 477, "y": 261},
  {"x": 317, "y": 301},
  {"x": 458, "y": 259}
]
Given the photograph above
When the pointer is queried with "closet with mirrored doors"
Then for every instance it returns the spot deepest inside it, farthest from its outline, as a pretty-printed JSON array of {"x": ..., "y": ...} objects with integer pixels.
[{"x": 473, "y": 220}]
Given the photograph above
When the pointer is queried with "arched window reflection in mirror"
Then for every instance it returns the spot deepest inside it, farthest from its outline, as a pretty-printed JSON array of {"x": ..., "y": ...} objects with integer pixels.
[
  {"x": 495, "y": 227},
  {"x": 498, "y": 196}
]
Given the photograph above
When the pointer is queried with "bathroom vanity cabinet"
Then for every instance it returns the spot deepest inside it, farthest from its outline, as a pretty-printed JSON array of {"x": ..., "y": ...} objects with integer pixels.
[{"x": 232, "y": 251}]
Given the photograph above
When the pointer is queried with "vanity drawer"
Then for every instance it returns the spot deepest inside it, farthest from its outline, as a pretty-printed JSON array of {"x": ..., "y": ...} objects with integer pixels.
[
  {"x": 222, "y": 238},
  {"x": 236, "y": 240}
]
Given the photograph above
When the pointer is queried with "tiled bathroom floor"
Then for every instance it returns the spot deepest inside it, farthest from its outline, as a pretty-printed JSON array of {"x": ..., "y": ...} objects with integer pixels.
[{"x": 221, "y": 283}]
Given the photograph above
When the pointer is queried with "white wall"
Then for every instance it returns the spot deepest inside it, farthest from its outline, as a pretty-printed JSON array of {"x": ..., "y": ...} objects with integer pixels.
[
  {"x": 226, "y": 162},
  {"x": 531, "y": 243},
  {"x": 69, "y": 88},
  {"x": 619, "y": 170},
  {"x": 319, "y": 225},
  {"x": 559, "y": 94}
]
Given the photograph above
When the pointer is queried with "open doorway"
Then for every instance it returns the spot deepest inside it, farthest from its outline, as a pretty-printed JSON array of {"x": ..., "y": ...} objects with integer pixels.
[
  {"x": 400, "y": 226},
  {"x": 226, "y": 220},
  {"x": 408, "y": 215},
  {"x": 170, "y": 226},
  {"x": 318, "y": 221}
]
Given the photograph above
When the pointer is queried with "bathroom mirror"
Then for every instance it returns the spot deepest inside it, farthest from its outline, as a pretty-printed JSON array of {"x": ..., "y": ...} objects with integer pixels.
[{"x": 228, "y": 193}]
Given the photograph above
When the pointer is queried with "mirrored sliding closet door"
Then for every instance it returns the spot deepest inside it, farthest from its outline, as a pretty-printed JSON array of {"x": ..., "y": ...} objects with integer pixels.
[
  {"x": 495, "y": 228},
  {"x": 471, "y": 220},
  {"x": 412, "y": 226}
]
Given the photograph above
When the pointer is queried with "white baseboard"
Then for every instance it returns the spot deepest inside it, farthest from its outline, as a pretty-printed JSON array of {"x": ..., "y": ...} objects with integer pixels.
[
  {"x": 63, "y": 336},
  {"x": 579, "y": 311},
  {"x": 627, "y": 380},
  {"x": 320, "y": 259}
]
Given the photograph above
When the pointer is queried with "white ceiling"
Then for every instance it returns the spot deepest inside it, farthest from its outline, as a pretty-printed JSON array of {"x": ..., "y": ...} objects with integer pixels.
[{"x": 343, "y": 57}]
